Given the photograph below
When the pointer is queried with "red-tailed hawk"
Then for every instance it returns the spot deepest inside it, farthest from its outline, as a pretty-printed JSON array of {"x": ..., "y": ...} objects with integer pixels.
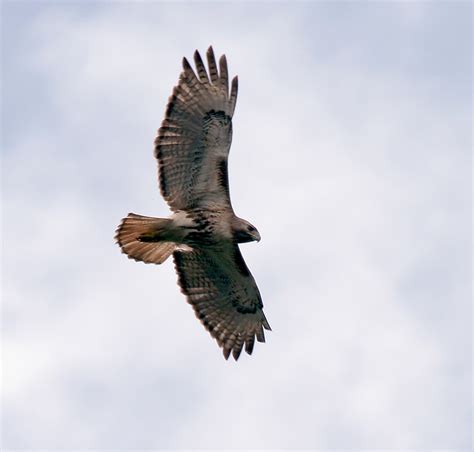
[{"x": 203, "y": 232}]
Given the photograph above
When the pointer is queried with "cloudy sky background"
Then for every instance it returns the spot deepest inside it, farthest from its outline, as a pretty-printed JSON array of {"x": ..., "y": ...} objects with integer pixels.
[{"x": 351, "y": 154}]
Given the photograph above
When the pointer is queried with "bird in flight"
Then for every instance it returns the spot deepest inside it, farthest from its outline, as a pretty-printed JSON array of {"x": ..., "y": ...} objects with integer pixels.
[{"x": 203, "y": 233}]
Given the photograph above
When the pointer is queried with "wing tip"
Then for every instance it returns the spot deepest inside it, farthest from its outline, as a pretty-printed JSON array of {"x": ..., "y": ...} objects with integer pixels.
[
  {"x": 226, "y": 351},
  {"x": 249, "y": 344},
  {"x": 186, "y": 65},
  {"x": 236, "y": 351},
  {"x": 223, "y": 59},
  {"x": 235, "y": 85}
]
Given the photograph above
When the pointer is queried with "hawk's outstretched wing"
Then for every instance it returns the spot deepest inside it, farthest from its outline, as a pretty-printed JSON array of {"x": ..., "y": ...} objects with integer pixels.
[
  {"x": 194, "y": 138},
  {"x": 224, "y": 296}
]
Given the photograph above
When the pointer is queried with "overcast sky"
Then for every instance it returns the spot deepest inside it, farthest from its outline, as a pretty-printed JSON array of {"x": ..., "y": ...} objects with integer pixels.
[{"x": 351, "y": 155}]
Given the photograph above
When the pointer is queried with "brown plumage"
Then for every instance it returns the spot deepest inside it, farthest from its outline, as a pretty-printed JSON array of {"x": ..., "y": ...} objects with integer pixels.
[{"x": 203, "y": 232}]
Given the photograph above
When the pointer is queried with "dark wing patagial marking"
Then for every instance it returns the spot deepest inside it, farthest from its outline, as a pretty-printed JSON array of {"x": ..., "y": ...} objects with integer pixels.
[
  {"x": 223, "y": 176},
  {"x": 195, "y": 136},
  {"x": 224, "y": 296}
]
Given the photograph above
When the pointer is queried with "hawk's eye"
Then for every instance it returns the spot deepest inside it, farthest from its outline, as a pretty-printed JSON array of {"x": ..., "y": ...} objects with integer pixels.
[{"x": 251, "y": 228}]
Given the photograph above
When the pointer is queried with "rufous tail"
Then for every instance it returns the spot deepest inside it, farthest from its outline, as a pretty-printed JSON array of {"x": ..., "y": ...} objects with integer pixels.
[{"x": 139, "y": 238}]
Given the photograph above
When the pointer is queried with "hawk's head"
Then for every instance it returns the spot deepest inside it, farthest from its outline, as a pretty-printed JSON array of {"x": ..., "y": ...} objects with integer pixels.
[{"x": 244, "y": 232}]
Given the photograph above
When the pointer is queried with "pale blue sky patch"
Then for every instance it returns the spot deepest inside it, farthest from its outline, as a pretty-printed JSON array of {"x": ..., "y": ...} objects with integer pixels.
[{"x": 352, "y": 156}]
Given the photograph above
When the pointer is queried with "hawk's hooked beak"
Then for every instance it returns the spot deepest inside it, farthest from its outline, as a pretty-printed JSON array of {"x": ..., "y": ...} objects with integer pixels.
[{"x": 257, "y": 237}]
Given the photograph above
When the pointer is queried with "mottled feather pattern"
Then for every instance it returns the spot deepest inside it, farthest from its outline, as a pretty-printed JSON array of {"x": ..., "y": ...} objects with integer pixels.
[
  {"x": 225, "y": 299},
  {"x": 196, "y": 134}
]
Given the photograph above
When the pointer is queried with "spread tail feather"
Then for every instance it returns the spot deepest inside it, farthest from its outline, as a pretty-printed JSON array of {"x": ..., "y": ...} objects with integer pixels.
[{"x": 141, "y": 238}]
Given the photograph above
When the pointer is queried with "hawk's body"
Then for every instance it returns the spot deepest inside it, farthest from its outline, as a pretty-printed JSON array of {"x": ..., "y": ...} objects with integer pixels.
[{"x": 203, "y": 233}]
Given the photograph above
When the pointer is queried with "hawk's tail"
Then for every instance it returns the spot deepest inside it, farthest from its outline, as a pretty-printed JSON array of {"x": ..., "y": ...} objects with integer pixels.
[{"x": 142, "y": 238}]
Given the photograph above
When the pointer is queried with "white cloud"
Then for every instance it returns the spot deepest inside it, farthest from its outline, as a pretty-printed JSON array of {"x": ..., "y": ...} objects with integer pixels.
[{"x": 354, "y": 170}]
